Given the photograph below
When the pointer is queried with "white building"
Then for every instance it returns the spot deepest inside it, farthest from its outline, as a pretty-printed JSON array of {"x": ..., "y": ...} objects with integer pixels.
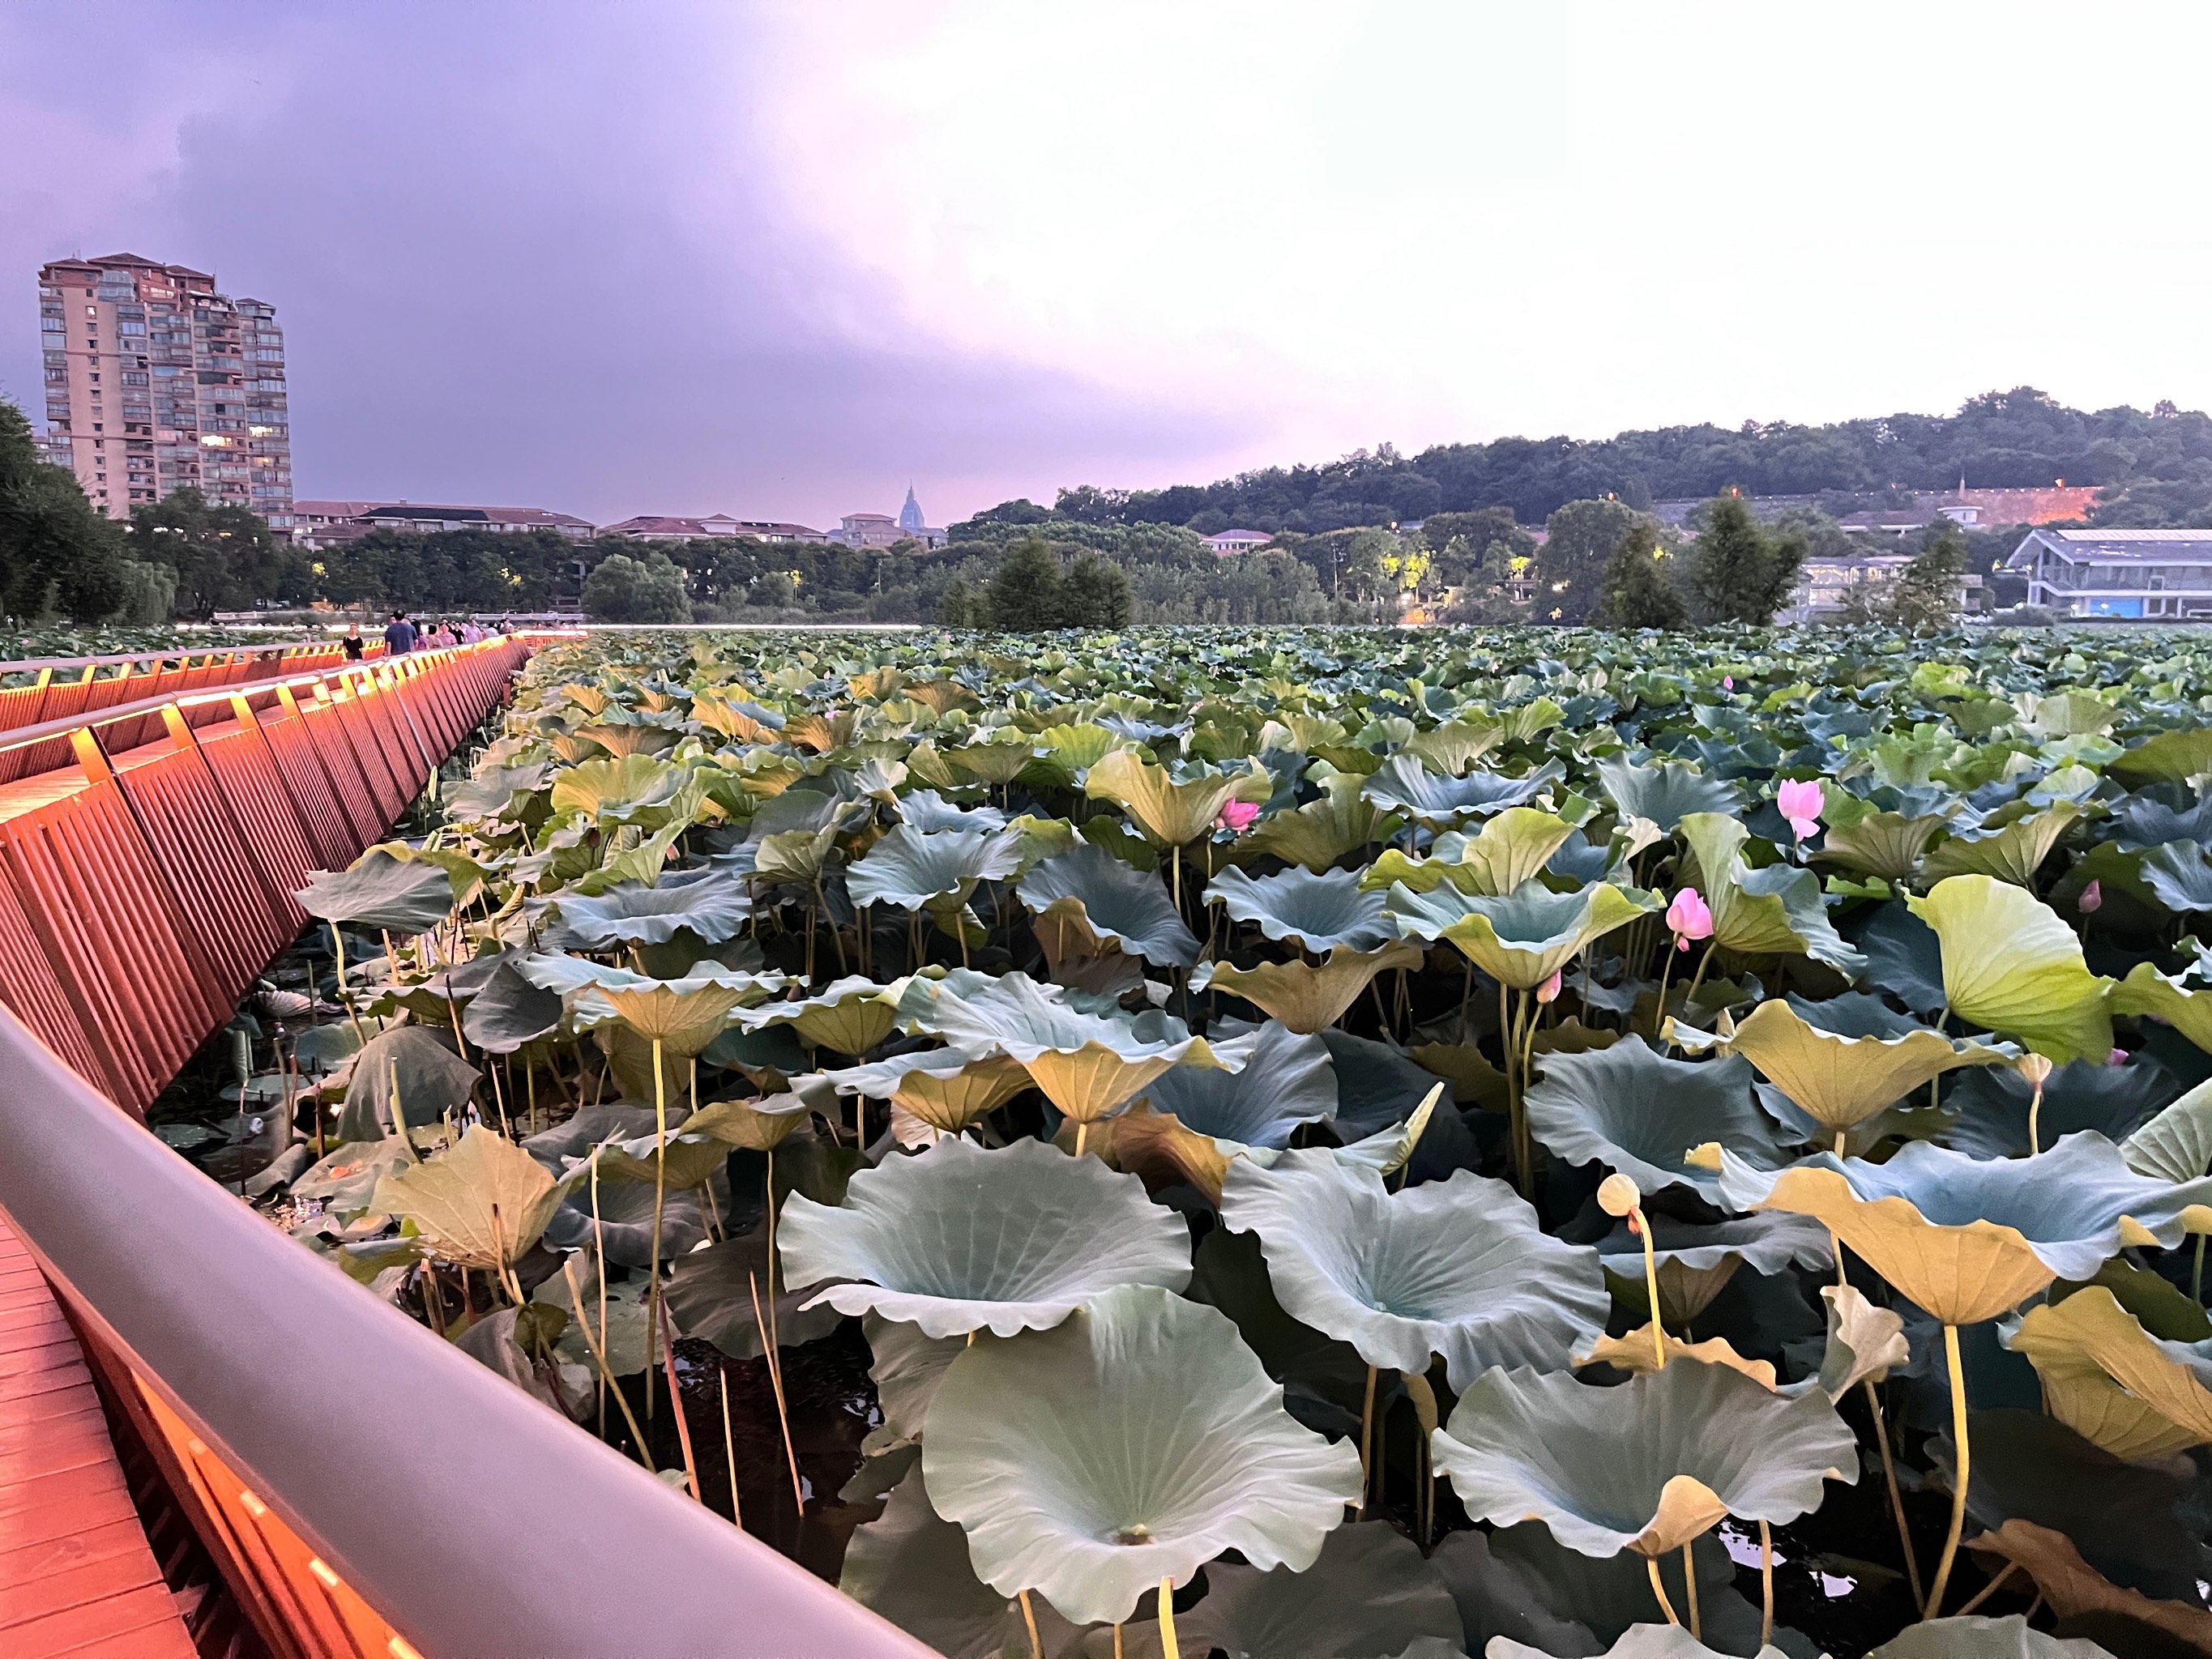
[
  {"x": 2131, "y": 573},
  {"x": 1238, "y": 541}
]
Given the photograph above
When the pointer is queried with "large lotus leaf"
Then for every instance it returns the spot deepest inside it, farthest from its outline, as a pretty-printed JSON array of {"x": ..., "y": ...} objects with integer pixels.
[
  {"x": 2111, "y": 1381},
  {"x": 912, "y": 1567},
  {"x": 1131, "y": 1443},
  {"x": 1841, "y": 1081},
  {"x": 1525, "y": 937},
  {"x": 850, "y": 1015},
  {"x": 1317, "y": 912},
  {"x": 1377, "y": 1086},
  {"x": 1641, "y": 1114},
  {"x": 1992, "y": 1105},
  {"x": 344, "y": 1179},
  {"x": 757, "y": 1126},
  {"x": 2177, "y": 1144},
  {"x": 1666, "y": 793},
  {"x": 2076, "y": 1589},
  {"x": 906, "y": 1367},
  {"x": 1639, "y": 1642},
  {"x": 2169, "y": 757},
  {"x": 1886, "y": 845},
  {"x": 1171, "y": 811},
  {"x": 1091, "y": 890},
  {"x": 1458, "y": 744},
  {"x": 1318, "y": 834},
  {"x": 707, "y": 903},
  {"x": 2180, "y": 876},
  {"x": 2010, "y": 964},
  {"x": 1306, "y": 998},
  {"x": 1519, "y": 1583},
  {"x": 1511, "y": 848},
  {"x": 1976, "y": 1637},
  {"x": 1368, "y": 1596},
  {"x": 1403, "y": 785},
  {"x": 497, "y": 792},
  {"x": 1777, "y": 911},
  {"x": 959, "y": 1238},
  {"x": 629, "y": 789},
  {"x": 944, "y": 1088},
  {"x": 1969, "y": 1238},
  {"x": 1285, "y": 1079},
  {"x": 1647, "y": 1466},
  {"x": 927, "y": 810},
  {"x": 625, "y": 1221},
  {"x": 508, "y": 1010},
  {"x": 621, "y": 1333},
  {"x": 379, "y": 892},
  {"x": 481, "y": 1203},
  {"x": 2146, "y": 991},
  {"x": 431, "y": 1078},
  {"x": 912, "y": 869},
  {"x": 686, "y": 1014},
  {"x": 1696, "y": 1261},
  {"x": 2011, "y": 853},
  {"x": 710, "y": 1294},
  {"x": 1903, "y": 957},
  {"x": 1457, "y": 1268}
]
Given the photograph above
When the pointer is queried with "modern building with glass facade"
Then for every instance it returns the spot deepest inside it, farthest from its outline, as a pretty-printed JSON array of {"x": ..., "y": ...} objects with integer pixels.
[{"x": 2151, "y": 574}]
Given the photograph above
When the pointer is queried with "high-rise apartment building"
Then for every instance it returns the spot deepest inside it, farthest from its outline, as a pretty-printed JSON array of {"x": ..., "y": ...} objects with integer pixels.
[{"x": 155, "y": 381}]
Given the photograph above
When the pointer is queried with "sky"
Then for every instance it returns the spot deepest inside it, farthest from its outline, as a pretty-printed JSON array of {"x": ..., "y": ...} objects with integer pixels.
[{"x": 782, "y": 260}]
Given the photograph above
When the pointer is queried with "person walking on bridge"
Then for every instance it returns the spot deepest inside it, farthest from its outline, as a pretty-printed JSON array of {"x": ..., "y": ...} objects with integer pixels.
[{"x": 399, "y": 635}]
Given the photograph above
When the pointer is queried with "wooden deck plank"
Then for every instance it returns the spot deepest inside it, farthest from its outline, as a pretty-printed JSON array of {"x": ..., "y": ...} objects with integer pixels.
[{"x": 142, "y": 1623}]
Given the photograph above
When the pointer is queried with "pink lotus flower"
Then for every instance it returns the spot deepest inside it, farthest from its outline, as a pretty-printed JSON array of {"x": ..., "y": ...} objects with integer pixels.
[
  {"x": 1689, "y": 917},
  {"x": 1728, "y": 682},
  {"x": 1548, "y": 992},
  {"x": 2118, "y": 1057},
  {"x": 1237, "y": 816},
  {"x": 1801, "y": 802},
  {"x": 2093, "y": 895}
]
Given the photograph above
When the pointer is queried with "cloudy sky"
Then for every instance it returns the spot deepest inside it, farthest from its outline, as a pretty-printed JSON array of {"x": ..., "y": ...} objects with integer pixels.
[{"x": 780, "y": 259}]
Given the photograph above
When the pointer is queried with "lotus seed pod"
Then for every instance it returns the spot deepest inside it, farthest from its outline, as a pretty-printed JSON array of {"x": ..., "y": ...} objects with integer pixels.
[
  {"x": 1617, "y": 1195},
  {"x": 2036, "y": 1068}
]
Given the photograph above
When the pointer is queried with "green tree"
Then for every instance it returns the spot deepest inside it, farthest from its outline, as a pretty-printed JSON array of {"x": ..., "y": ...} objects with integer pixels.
[
  {"x": 1029, "y": 594},
  {"x": 1741, "y": 572},
  {"x": 1926, "y": 592},
  {"x": 1579, "y": 543},
  {"x": 57, "y": 553},
  {"x": 224, "y": 557},
  {"x": 1097, "y": 594},
  {"x": 636, "y": 589},
  {"x": 961, "y": 606},
  {"x": 1637, "y": 592}
]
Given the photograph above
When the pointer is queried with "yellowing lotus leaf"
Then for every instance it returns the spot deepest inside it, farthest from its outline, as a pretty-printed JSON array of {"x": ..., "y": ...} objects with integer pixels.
[
  {"x": 1306, "y": 998},
  {"x": 1840, "y": 1081},
  {"x": 481, "y": 1203},
  {"x": 2009, "y": 963},
  {"x": 2090, "y": 1332}
]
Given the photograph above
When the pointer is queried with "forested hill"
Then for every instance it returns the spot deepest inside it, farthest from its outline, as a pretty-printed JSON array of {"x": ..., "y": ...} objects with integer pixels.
[{"x": 2155, "y": 467}]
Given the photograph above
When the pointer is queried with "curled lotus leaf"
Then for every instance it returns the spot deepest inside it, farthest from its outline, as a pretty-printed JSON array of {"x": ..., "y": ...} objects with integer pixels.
[
  {"x": 1666, "y": 793},
  {"x": 1522, "y": 939},
  {"x": 379, "y": 892},
  {"x": 1642, "y": 1114},
  {"x": 944, "y": 1087},
  {"x": 1171, "y": 811},
  {"x": 959, "y": 1238},
  {"x": 481, "y": 1203},
  {"x": 1776, "y": 911},
  {"x": 1695, "y": 1261},
  {"x": 2169, "y": 757},
  {"x": 2176, "y": 1145},
  {"x": 2010, "y": 964},
  {"x": 907, "y": 1367},
  {"x": 1519, "y": 1583},
  {"x": 1315, "y": 835},
  {"x": 1458, "y": 744},
  {"x": 2179, "y": 877},
  {"x": 2113, "y": 1382},
  {"x": 1973, "y": 1636},
  {"x": 627, "y": 789},
  {"x": 1886, "y": 845},
  {"x": 707, "y": 903},
  {"x": 927, "y": 810},
  {"x": 1513, "y": 847},
  {"x": 1283, "y": 1079},
  {"x": 911, "y": 1566},
  {"x": 2074, "y": 1588},
  {"x": 757, "y": 1126},
  {"x": 1647, "y": 1466},
  {"x": 1369, "y": 1596},
  {"x": 1306, "y": 998},
  {"x": 685, "y": 1014},
  {"x": 710, "y": 1295},
  {"x": 850, "y": 1015},
  {"x": 2011, "y": 853},
  {"x": 912, "y": 869},
  {"x": 1324, "y": 911},
  {"x": 1132, "y": 1443},
  {"x": 431, "y": 1078},
  {"x": 2164, "y": 996},
  {"x": 1403, "y": 786},
  {"x": 1458, "y": 1267},
  {"x": 1090, "y": 890},
  {"x": 508, "y": 1011}
]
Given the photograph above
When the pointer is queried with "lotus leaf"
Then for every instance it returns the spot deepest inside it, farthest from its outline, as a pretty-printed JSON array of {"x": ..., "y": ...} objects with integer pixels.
[
  {"x": 1132, "y": 1443},
  {"x": 1455, "y": 744},
  {"x": 1777, "y": 911},
  {"x": 913, "y": 1568},
  {"x": 1403, "y": 785},
  {"x": 1888, "y": 846},
  {"x": 2168, "y": 757},
  {"x": 625, "y": 1221},
  {"x": 927, "y": 810},
  {"x": 2074, "y": 1588},
  {"x": 431, "y": 1078},
  {"x": 850, "y": 1015},
  {"x": 1171, "y": 811},
  {"x": 1522, "y": 939},
  {"x": 1645, "y": 1467},
  {"x": 1977, "y": 1638},
  {"x": 959, "y": 1239},
  {"x": 942, "y": 1087},
  {"x": 1519, "y": 1583},
  {"x": 1639, "y": 1642},
  {"x": 2164, "y": 996},
  {"x": 1283, "y": 1079},
  {"x": 1318, "y": 913},
  {"x": 1091, "y": 891},
  {"x": 758, "y": 1125},
  {"x": 707, "y": 904},
  {"x": 380, "y": 891},
  {"x": 912, "y": 869},
  {"x": 2010, "y": 964},
  {"x": 1306, "y": 998},
  {"x": 710, "y": 1294},
  {"x": 343, "y": 1180},
  {"x": 1636, "y": 1112},
  {"x": 481, "y": 1203},
  {"x": 684, "y": 1014},
  {"x": 1666, "y": 793},
  {"x": 1903, "y": 957},
  {"x": 630, "y": 789},
  {"x": 1368, "y": 1595},
  {"x": 1993, "y": 1105},
  {"x": 1696, "y": 1261},
  {"x": 1457, "y": 1268},
  {"x": 2113, "y": 1382},
  {"x": 1512, "y": 848},
  {"x": 1315, "y": 835},
  {"x": 906, "y": 1367},
  {"x": 2176, "y": 1145},
  {"x": 508, "y": 1011}
]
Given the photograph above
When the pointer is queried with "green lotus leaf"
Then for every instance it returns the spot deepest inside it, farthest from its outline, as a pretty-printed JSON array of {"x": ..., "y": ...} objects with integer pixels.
[
  {"x": 497, "y": 792},
  {"x": 1639, "y": 1642},
  {"x": 943, "y": 1088},
  {"x": 379, "y": 891},
  {"x": 681, "y": 1161},
  {"x": 1697, "y": 1260},
  {"x": 1523, "y": 938},
  {"x": 1403, "y": 786},
  {"x": 709, "y": 905},
  {"x": 1456, "y": 744},
  {"x": 851, "y": 1015},
  {"x": 991, "y": 762},
  {"x": 508, "y": 1011},
  {"x": 914, "y": 869},
  {"x": 1646, "y": 1466},
  {"x": 481, "y": 1203},
  {"x": 2169, "y": 757},
  {"x": 959, "y": 1239},
  {"x": 1368, "y": 1596},
  {"x": 2012, "y": 853},
  {"x": 1132, "y": 1443},
  {"x": 628, "y": 1313},
  {"x": 928, "y": 811},
  {"x": 2180, "y": 876},
  {"x": 757, "y": 1126},
  {"x": 1969, "y": 1238},
  {"x": 1841, "y": 1081},
  {"x": 906, "y": 1367},
  {"x": 431, "y": 1078},
  {"x": 2176, "y": 1145},
  {"x": 1282, "y": 1078},
  {"x": 1976, "y": 1637},
  {"x": 630, "y": 789},
  {"x": 1315, "y": 835},
  {"x": 1171, "y": 811},
  {"x": 1903, "y": 957},
  {"x": 2010, "y": 964},
  {"x": 1317, "y": 913},
  {"x": 1065, "y": 754},
  {"x": 1992, "y": 1106},
  {"x": 344, "y": 1179},
  {"x": 913, "y": 1568},
  {"x": 1458, "y": 1267},
  {"x": 1512, "y": 848},
  {"x": 2146, "y": 991},
  {"x": 1304, "y": 997},
  {"x": 710, "y": 1294},
  {"x": 1777, "y": 911},
  {"x": 1888, "y": 846},
  {"x": 685, "y": 1014},
  {"x": 1105, "y": 902},
  {"x": 1641, "y": 1114},
  {"x": 1519, "y": 1583},
  {"x": 1666, "y": 793}
]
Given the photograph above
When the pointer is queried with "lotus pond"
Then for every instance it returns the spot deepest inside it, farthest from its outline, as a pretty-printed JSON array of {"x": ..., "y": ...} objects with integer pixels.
[{"x": 1321, "y": 1143}]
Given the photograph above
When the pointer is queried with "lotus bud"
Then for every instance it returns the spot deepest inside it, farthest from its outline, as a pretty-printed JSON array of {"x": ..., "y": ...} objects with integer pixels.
[
  {"x": 1689, "y": 918},
  {"x": 2092, "y": 899},
  {"x": 1618, "y": 1195},
  {"x": 1548, "y": 992},
  {"x": 1237, "y": 816},
  {"x": 2036, "y": 1068},
  {"x": 1728, "y": 682},
  {"x": 2118, "y": 1057},
  {"x": 1800, "y": 802}
]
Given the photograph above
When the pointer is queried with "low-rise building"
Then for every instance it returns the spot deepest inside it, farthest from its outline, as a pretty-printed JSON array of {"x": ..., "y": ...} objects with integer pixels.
[
  {"x": 2148, "y": 574},
  {"x": 1829, "y": 589},
  {"x": 324, "y": 524},
  {"x": 657, "y": 527},
  {"x": 1238, "y": 541}
]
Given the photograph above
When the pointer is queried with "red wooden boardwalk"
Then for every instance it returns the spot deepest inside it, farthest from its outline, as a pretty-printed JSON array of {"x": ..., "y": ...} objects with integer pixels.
[{"x": 77, "y": 1575}]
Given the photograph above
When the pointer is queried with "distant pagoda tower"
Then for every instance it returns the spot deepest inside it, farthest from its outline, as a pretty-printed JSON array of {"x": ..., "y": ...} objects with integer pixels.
[{"x": 910, "y": 517}]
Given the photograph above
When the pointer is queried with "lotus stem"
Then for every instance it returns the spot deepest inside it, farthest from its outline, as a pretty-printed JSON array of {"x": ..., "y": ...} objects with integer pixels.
[
  {"x": 599, "y": 1262},
  {"x": 1659, "y": 1016},
  {"x": 1117, "y": 1639},
  {"x": 2035, "y": 1119},
  {"x": 659, "y": 1202},
  {"x": 1366, "y": 1433},
  {"x": 1659, "y": 1589},
  {"x": 338, "y": 946},
  {"x": 1168, "y": 1649},
  {"x": 836, "y": 933},
  {"x": 1698, "y": 979},
  {"x": 399, "y": 1116},
  {"x": 1987, "y": 1590},
  {"x": 729, "y": 1447},
  {"x": 676, "y": 1407},
  {"x": 498, "y": 1096},
  {"x": 1765, "y": 1585},
  {"x": 1524, "y": 1143},
  {"x": 606, "y": 1374},
  {"x": 775, "y": 1382},
  {"x": 1896, "y": 1501},
  {"x": 1028, "y": 1618},
  {"x": 1690, "y": 1580},
  {"x": 1966, "y": 1459},
  {"x": 771, "y": 1223},
  {"x": 2196, "y": 1272},
  {"x": 1642, "y": 1226}
]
